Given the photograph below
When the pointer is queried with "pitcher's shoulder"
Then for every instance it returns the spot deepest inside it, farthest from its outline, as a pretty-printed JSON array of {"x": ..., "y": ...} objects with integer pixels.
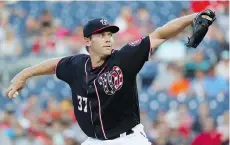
[{"x": 79, "y": 58}]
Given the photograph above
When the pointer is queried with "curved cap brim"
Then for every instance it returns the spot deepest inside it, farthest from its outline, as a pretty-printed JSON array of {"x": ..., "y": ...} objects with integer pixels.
[{"x": 111, "y": 28}]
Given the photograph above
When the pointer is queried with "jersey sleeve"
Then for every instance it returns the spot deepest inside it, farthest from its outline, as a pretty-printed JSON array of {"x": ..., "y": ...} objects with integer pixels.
[
  {"x": 65, "y": 69},
  {"x": 132, "y": 56}
]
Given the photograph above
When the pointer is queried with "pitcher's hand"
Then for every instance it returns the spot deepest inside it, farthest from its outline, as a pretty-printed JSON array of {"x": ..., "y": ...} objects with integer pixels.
[{"x": 17, "y": 84}]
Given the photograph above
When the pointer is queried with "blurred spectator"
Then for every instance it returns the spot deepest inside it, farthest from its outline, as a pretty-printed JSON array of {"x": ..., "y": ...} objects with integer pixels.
[
  {"x": 148, "y": 74},
  {"x": 145, "y": 120},
  {"x": 4, "y": 20},
  {"x": 70, "y": 139},
  {"x": 2, "y": 33},
  {"x": 175, "y": 138},
  {"x": 39, "y": 133},
  {"x": 62, "y": 39},
  {"x": 132, "y": 33},
  {"x": 197, "y": 6},
  {"x": 196, "y": 61},
  {"x": 209, "y": 136},
  {"x": 5, "y": 14},
  {"x": 180, "y": 125},
  {"x": 197, "y": 84},
  {"x": 185, "y": 122},
  {"x": 6, "y": 130},
  {"x": 223, "y": 19},
  {"x": 67, "y": 109},
  {"x": 31, "y": 106},
  {"x": 172, "y": 119},
  {"x": 32, "y": 32},
  {"x": 172, "y": 50},
  {"x": 181, "y": 84},
  {"x": 200, "y": 119},
  {"x": 143, "y": 21},
  {"x": 57, "y": 138},
  {"x": 160, "y": 131},
  {"x": 45, "y": 44},
  {"x": 222, "y": 68},
  {"x": 214, "y": 40},
  {"x": 4, "y": 139},
  {"x": 32, "y": 27},
  {"x": 153, "y": 133},
  {"x": 165, "y": 77},
  {"x": 62, "y": 42},
  {"x": 11, "y": 45},
  {"x": 214, "y": 85},
  {"x": 124, "y": 17},
  {"x": 129, "y": 31},
  {"x": 53, "y": 110},
  {"x": 7, "y": 116},
  {"x": 46, "y": 20},
  {"x": 20, "y": 137},
  {"x": 223, "y": 129},
  {"x": 77, "y": 40}
]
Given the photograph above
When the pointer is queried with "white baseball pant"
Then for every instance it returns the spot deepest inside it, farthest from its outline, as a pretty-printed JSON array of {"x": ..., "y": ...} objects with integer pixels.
[{"x": 138, "y": 137}]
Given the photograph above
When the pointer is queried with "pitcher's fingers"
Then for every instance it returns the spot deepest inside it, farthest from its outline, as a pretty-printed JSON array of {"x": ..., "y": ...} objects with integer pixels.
[
  {"x": 8, "y": 90},
  {"x": 15, "y": 94},
  {"x": 11, "y": 93}
]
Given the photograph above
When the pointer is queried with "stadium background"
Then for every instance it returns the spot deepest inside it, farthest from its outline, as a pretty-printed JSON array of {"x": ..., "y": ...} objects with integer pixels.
[{"x": 184, "y": 93}]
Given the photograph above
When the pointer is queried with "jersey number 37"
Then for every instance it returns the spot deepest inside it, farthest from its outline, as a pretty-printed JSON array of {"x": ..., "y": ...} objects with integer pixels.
[{"x": 82, "y": 100}]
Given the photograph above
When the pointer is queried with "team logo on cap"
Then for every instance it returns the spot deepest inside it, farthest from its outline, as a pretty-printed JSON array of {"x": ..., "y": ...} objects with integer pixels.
[
  {"x": 111, "y": 81},
  {"x": 104, "y": 22}
]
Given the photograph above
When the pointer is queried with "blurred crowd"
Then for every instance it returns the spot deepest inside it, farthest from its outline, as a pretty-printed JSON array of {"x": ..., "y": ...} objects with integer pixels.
[
  {"x": 46, "y": 122},
  {"x": 174, "y": 69},
  {"x": 179, "y": 127}
]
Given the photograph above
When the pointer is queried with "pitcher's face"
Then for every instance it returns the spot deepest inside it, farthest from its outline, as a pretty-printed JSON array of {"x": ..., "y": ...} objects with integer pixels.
[{"x": 101, "y": 43}]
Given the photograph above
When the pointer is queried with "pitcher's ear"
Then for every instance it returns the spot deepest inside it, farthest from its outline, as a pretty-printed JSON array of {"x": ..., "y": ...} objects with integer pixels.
[{"x": 87, "y": 42}]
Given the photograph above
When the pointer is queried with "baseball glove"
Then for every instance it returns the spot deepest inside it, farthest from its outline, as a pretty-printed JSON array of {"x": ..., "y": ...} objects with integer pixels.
[{"x": 200, "y": 27}]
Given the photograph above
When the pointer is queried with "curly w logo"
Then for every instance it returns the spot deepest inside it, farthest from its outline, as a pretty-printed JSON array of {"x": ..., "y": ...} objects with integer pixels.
[
  {"x": 104, "y": 22},
  {"x": 111, "y": 81}
]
